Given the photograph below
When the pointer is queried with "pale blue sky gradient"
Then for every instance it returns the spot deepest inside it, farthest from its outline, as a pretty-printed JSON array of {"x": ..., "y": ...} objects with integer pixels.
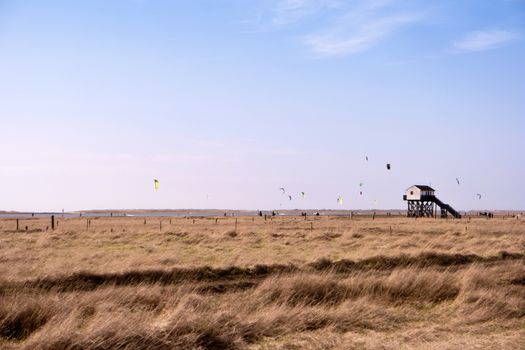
[{"x": 225, "y": 101}]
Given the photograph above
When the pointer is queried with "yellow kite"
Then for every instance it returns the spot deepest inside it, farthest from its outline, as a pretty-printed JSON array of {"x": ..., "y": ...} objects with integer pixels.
[{"x": 156, "y": 184}]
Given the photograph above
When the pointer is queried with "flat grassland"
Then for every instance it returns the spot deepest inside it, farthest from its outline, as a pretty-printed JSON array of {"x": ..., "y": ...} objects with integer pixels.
[{"x": 281, "y": 283}]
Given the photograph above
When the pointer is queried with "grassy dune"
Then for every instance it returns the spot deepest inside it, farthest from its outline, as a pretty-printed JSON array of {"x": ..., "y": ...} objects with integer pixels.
[{"x": 286, "y": 283}]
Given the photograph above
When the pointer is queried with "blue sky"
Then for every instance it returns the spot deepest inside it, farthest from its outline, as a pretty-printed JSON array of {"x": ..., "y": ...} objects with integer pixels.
[{"x": 225, "y": 101}]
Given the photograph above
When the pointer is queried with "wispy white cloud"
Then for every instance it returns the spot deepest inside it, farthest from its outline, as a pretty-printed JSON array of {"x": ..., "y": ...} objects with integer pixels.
[
  {"x": 358, "y": 36},
  {"x": 290, "y": 11},
  {"x": 279, "y": 14},
  {"x": 484, "y": 40},
  {"x": 338, "y": 27}
]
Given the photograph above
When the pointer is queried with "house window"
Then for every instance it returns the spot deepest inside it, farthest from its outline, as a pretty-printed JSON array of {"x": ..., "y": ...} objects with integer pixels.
[{"x": 411, "y": 192}]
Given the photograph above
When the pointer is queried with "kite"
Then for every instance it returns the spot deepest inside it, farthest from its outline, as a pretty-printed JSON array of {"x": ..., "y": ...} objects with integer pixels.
[
  {"x": 282, "y": 189},
  {"x": 366, "y": 158},
  {"x": 388, "y": 166},
  {"x": 457, "y": 180},
  {"x": 479, "y": 195},
  {"x": 339, "y": 200},
  {"x": 156, "y": 182},
  {"x": 360, "y": 193},
  {"x": 303, "y": 194},
  {"x": 290, "y": 197},
  {"x": 360, "y": 184}
]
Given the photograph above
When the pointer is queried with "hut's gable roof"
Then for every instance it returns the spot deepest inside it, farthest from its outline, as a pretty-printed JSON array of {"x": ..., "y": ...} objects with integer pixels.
[{"x": 424, "y": 188}]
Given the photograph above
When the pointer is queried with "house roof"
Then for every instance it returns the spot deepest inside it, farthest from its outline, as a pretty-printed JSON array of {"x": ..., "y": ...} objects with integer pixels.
[{"x": 424, "y": 188}]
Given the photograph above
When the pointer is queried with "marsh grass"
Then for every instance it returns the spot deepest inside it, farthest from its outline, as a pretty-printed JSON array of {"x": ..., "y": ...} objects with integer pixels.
[{"x": 205, "y": 288}]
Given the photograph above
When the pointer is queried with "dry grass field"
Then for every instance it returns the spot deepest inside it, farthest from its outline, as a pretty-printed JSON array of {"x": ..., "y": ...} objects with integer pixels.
[{"x": 286, "y": 283}]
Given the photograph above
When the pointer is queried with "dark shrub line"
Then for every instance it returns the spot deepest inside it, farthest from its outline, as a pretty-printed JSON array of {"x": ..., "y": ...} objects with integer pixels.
[
  {"x": 85, "y": 281},
  {"x": 422, "y": 260}
]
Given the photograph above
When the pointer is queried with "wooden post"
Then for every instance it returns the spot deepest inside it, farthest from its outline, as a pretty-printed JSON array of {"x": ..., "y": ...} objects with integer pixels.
[
  {"x": 311, "y": 226},
  {"x": 17, "y": 224},
  {"x": 390, "y": 229},
  {"x": 87, "y": 224},
  {"x": 160, "y": 225},
  {"x": 52, "y": 222},
  {"x": 235, "y": 224},
  {"x": 170, "y": 221}
]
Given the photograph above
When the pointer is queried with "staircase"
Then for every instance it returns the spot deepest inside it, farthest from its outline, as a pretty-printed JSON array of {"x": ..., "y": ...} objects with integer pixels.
[{"x": 445, "y": 208}]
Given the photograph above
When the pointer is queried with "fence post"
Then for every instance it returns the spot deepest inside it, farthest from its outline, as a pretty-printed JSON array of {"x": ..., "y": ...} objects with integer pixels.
[
  {"x": 17, "y": 224},
  {"x": 235, "y": 224},
  {"x": 52, "y": 222}
]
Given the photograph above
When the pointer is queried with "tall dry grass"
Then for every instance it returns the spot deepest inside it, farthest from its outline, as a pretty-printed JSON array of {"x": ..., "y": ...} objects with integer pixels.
[{"x": 416, "y": 297}]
